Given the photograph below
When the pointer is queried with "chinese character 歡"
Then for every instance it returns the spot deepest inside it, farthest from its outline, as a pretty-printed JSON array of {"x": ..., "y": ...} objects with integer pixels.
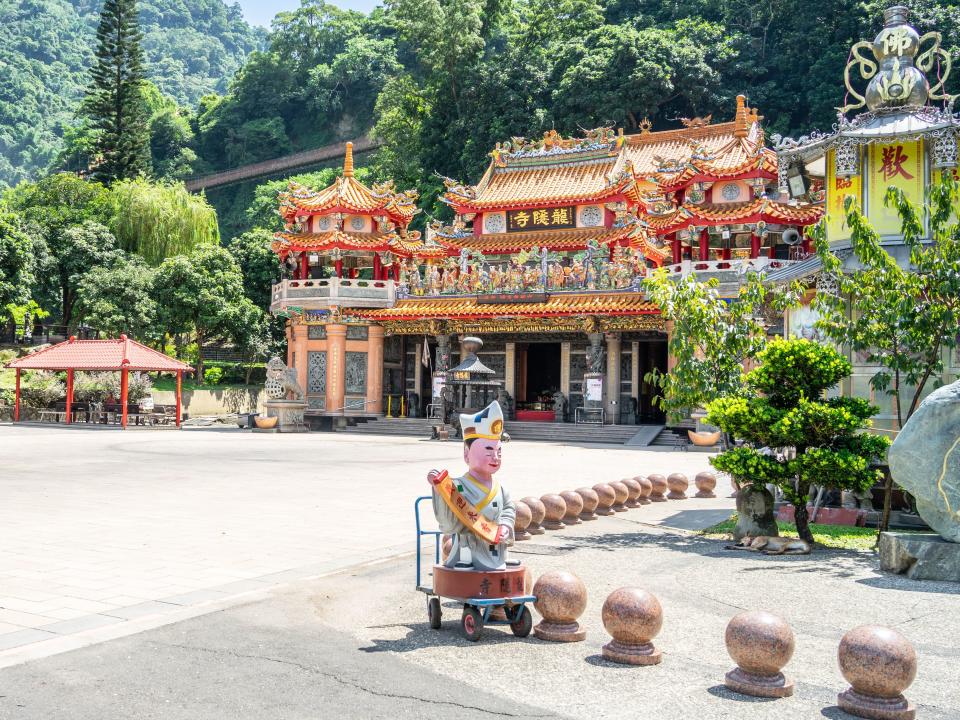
[{"x": 893, "y": 160}]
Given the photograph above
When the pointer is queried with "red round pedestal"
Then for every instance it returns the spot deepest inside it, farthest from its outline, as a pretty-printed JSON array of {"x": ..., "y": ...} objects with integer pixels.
[{"x": 464, "y": 584}]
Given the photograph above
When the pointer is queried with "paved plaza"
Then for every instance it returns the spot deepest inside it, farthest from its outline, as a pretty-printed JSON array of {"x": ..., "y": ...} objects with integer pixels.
[{"x": 106, "y": 533}]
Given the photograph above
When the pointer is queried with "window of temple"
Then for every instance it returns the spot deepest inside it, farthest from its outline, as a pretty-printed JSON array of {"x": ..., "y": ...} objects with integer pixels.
[
  {"x": 590, "y": 216},
  {"x": 494, "y": 222}
]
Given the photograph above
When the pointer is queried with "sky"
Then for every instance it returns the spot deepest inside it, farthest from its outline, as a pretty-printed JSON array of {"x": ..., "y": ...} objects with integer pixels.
[{"x": 261, "y": 12}]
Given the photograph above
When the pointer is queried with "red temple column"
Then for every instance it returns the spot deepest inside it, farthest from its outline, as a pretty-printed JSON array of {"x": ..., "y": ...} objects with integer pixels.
[
  {"x": 69, "y": 415},
  {"x": 16, "y": 402},
  {"x": 396, "y": 272},
  {"x": 377, "y": 267},
  {"x": 754, "y": 246},
  {"x": 807, "y": 244},
  {"x": 354, "y": 272},
  {"x": 179, "y": 397},
  {"x": 338, "y": 266},
  {"x": 704, "y": 244},
  {"x": 771, "y": 252},
  {"x": 725, "y": 253},
  {"x": 677, "y": 249},
  {"x": 304, "y": 266},
  {"x": 123, "y": 398}
]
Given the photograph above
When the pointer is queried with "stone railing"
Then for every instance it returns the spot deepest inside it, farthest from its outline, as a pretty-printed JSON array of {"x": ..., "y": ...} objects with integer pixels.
[
  {"x": 732, "y": 267},
  {"x": 341, "y": 292}
]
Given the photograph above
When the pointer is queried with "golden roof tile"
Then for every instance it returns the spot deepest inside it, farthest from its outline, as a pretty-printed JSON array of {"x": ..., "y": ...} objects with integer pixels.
[
  {"x": 557, "y": 240},
  {"x": 751, "y": 211}
]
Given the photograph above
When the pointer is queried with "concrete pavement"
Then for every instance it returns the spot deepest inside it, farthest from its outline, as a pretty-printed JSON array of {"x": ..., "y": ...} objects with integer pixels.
[{"x": 106, "y": 532}]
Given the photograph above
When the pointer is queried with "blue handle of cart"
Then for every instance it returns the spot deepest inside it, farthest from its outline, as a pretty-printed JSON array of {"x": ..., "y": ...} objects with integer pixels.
[
  {"x": 492, "y": 602},
  {"x": 420, "y": 533}
]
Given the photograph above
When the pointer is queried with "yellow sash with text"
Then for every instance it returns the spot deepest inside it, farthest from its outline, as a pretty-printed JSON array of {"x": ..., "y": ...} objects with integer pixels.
[{"x": 467, "y": 513}]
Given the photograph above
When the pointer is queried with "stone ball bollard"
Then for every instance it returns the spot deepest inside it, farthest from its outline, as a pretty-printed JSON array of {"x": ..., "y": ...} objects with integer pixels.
[
  {"x": 658, "y": 487},
  {"x": 537, "y": 513},
  {"x": 606, "y": 497},
  {"x": 633, "y": 617},
  {"x": 633, "y": 492},
  {"x": 761, "y": 644},
  {"x": 678, "y": 484},
  {"x": 590, "y": 500},
  {"x": 556, "y": 508},
  {"x": 705, "y": 482},
  {"x": 622, "y": 493},
  {"x": 879, "y": 663},
  {"x": 646, "y": 487},
  {"x": 574, "y": 507},
  {"x": 561, "y": 599},
  {"x": 522, "y": 521}
]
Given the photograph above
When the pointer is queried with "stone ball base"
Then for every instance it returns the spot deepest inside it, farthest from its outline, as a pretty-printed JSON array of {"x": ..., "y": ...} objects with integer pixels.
[
  {"x": 572, "y": 520},
  {"x": 706, "y": 494},
  {"x": 588, "y": 515},
  {"x": 656, "y": 497},
  {"x": 553, "y": 524},
  {"x": 604, "y": 511},
  {"x": 876, "y": 708},
  {"x": 535, "y": 530},
  {"x": 765, "y": 686},
  {"x": 521, "y": 535},
  {"x": 559, "y": 632},
  {"x": 628, "y": 654},
  {"x": 676, "y": 496}
]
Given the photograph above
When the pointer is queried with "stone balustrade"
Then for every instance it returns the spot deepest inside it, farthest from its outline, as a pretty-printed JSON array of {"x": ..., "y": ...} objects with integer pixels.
[{"x": 343, "y": 292}]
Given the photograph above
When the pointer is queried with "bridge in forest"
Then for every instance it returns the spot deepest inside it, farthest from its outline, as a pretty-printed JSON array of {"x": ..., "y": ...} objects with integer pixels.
[{"x": 280, "y": 165}]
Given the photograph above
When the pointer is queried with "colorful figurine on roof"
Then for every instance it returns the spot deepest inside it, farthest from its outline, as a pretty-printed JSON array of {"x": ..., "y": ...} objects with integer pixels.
[{"x": 483, "y": 497}]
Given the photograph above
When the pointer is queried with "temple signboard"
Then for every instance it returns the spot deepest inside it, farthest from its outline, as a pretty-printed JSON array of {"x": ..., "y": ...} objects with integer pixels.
[
  {"x": 900, "y": 165},
  {"x": 541, "y": 219},
  {"x": 838, "y": 190},
  {"x": 511, "y": 298}
]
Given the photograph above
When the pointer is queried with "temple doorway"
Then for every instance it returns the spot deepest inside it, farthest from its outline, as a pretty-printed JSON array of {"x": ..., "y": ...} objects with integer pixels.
[{"x": 538, "y": 378}]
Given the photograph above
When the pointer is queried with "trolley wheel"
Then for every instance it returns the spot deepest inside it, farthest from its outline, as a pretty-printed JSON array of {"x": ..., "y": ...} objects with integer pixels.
[
  {"x": 524, "y": 624},
  {"x": 433, "y": 612},
  {"x": 471, "y": 623}
]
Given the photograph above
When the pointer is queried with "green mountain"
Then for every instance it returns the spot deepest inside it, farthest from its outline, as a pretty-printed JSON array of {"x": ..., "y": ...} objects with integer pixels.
[{"x": 193, "y": 47}]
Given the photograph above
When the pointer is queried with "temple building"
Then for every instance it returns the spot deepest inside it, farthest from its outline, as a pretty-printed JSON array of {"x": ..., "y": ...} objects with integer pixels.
[{"x": 543, "y": 261}]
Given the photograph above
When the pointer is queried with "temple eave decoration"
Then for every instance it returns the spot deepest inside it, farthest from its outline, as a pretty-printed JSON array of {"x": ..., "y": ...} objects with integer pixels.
[{"x": 750, "y": 212}]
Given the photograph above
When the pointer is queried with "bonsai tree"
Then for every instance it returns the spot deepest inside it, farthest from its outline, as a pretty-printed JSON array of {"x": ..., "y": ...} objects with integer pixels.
[{"x": 794, "y": 437}]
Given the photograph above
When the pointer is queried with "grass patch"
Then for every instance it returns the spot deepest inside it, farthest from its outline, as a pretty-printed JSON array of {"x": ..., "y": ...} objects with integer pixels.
[
  {"x": 840, "y": 537},
  {"x": 170, "y": 383}
]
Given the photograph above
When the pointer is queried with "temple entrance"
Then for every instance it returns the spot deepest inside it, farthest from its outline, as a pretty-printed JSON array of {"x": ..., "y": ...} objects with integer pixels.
[
  {"x": 652, "y": 354},
  {"x": 538, "y": 378}
]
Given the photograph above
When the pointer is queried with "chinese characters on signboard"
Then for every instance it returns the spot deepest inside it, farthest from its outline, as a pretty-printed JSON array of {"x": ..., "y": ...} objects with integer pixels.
[
  {"x": 899, "y": 165},
  {"x": 838, "y": 190},
  {"x": 541, "y": 219}
]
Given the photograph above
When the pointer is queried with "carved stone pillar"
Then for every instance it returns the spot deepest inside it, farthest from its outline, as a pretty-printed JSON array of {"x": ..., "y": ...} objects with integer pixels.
[
  {"x": 417, "y": 367},
  {"x": 635, "y": 372},
  {"x": 336, "y": 367},
  {"x": 443, "y": 353},
  {"x": 612, "y": 404},
  {"x": 565, "y": 370},
  {"x": 510, "y": 369},
  {"x": 298, "y": 352},
  {"x": 375, "y": 369}
]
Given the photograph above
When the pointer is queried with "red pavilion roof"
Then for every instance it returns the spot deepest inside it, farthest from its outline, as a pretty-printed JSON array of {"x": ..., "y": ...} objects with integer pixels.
[{"x": 120, "y": 354}]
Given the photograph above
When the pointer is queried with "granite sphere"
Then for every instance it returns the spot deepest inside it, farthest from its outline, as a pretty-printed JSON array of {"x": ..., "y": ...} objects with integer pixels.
[
  {"x": 633, "y": 490},
  {"x": 646, "y": 487},
  {"x": 705, "y": 481},
  {"x": 678, "y": 484},
  {"x": 590, "y": 500},
  {"x": 658, "y": 487},
  {"x": 633, "y": 617},
  {"x": 759, "y": 642},
  {"x": 606, "y": 497},
  {"x": 556, "y": 508},
  {"x": 574, "y": 507},
  {"x": 537, "y": 513},
  {"x": 561, "y": 599},
  {"x": 877, "y": 661},
  {"x": 522, "y": 521},
  {"x": 621, "y": 494}
]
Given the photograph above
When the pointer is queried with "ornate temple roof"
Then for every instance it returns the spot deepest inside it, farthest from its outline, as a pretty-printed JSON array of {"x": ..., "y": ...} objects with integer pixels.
[
  {"x": 364, "y": 242},
  {"x": 751, "y": 211},
  {"x": 567, "y": 240},
  {"x": 557, "y": 305},
  {"x": 347, "y": 194},
  {"x": 546, "y": 172}
]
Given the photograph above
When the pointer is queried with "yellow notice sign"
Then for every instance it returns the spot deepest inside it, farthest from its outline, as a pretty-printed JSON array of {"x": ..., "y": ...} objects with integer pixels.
[
  {"x": 899, "y": 165},
  {"x": 838, "y": 190}
]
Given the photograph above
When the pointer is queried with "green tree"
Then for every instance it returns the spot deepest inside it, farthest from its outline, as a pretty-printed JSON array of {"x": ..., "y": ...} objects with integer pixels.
[
  {"x": 159, "y": 220},
  {"x": 202, "y": 294},
  {"x": 114, "y": 101},
  {"x": 258, "y": 263},
  {"x": 900, "y": 318},
  {"x": 16, "y": 263},
  {"x": 711, "y": 338},
  {"x": 117, "y": 298},
  {"x": 794, "y": 436}
]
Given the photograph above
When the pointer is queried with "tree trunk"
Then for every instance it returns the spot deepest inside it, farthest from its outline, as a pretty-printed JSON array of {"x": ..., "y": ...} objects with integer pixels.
[
  {"x": 802, "y": 519},
  {"x": 199, "y": 359}
]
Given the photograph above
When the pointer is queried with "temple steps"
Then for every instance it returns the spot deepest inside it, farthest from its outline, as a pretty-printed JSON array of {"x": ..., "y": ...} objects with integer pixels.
[{"x": 527, "y": 431}]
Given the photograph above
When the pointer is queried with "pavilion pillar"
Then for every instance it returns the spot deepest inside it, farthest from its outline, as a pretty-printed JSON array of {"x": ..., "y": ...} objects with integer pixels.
[
  {"x": 806, "y": 243},
  {"x": 336, "y": 366},
  {"x": 124, "y": 373},
  {"x": 510, "y": 368},
  {"x": 754, "y": 246},
  {"x": 304, "y": 266},
  {"x": 377, "y": 266},
  {"x": 677, "y": 249},
  {"x": 704, "y": 245},
  {"x": 396, "y": 272},
  {"x": 179, "y": 396},
  {"x": 297, "y": 348},
  {"x": 671, "y": 360},
  {"x": 16, "y": 401},
  {"x": 375, "y": 369},
  {"x": 69, "y": 414},
  {"x": 613, "y": 379},
  {"x": 338, "y": 266},
  {"x": 771, "y": 252},
  {"x": 565, "y": 369},
  {"x": 725, "y": 253}
]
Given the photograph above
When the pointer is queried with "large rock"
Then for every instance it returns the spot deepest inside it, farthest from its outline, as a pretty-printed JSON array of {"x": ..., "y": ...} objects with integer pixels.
[
  {"x": 925, "y": 460},
  {"x": 755, "y": 513},
  {"x": 920, "y": 556}
]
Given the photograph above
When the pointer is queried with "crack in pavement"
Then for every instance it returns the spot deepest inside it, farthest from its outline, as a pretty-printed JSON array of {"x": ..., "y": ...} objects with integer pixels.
[{"x": 349, "y": 683}]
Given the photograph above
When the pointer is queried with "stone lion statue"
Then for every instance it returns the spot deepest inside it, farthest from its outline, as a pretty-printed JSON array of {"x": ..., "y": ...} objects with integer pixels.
[{"x": 282, "y": 381}]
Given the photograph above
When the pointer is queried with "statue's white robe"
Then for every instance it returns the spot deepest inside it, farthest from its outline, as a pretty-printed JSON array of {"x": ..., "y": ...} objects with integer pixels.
[{"x": 500, "y": 509}]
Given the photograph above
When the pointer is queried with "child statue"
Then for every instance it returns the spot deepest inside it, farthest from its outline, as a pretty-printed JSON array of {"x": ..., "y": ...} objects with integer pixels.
[{"x": 481, "y": 451}]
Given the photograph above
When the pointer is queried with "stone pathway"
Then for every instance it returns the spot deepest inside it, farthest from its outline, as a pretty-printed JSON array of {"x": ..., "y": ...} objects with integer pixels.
[{"x": 104, "y": 533}]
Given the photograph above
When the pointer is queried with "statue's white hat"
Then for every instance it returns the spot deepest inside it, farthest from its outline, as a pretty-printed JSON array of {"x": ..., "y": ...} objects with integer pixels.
[{"x": 486, "y": 424}]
